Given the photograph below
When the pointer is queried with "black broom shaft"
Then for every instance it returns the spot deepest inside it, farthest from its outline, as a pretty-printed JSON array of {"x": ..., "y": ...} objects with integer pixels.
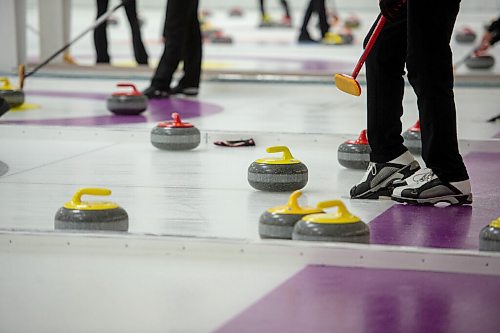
[{"x": 97, "y": 23}]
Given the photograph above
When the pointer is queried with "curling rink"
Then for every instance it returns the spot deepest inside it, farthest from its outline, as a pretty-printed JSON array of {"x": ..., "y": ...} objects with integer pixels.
[{"x": 192, "y": 259}]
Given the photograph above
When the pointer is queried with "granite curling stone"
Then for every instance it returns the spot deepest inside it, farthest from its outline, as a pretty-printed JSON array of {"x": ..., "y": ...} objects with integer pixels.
[
  {"x": 355, "y": 154},
  {"x": 278, "y": 174},
  {"x": 127, "y": 103},
  {"x": 352, "y": 22},
  {"x": 326, "y": 227},
  {"x": 489, "y": 237},
  {"x": 236, "y": 12},
  {"x": 465, "y": 35},
  {"x": 91, "y": 215},
  {"x": 332, "y": 38},
  {"x": 175, "y": 135},
  {"x": 13, "y": 96},
  {"x": 481, "y": 61},
  {"x": 278, "y": 222},
  {"x": 413, "y": 139},
  {"x": 220, "y": 38}
]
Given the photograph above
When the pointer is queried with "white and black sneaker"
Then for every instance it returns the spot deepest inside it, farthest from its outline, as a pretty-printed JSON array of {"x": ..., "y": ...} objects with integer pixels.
[
  {"x": 379, "y": 178},
  {"x": 425, "y": 188}
]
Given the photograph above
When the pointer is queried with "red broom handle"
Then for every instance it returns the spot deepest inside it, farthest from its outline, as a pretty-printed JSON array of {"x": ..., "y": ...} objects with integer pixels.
[{"x": 369, "y": 45}]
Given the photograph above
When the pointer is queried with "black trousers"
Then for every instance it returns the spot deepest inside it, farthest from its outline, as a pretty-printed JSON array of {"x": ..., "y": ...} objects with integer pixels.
[
  {"x": 316, "y": 6},
  {"x": 182, "y": 42},
  {"x": 420, "y": 38},
  {"x": 284, "y": 4},
  {"x": 101, "y": 38}
]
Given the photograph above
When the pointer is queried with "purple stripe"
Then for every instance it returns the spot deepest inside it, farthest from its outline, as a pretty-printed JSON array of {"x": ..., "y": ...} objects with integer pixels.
[
  {"x": 450, "y": 227},
  {"x": 158, "y": 110},
  {"x": 335, "y": 299}
]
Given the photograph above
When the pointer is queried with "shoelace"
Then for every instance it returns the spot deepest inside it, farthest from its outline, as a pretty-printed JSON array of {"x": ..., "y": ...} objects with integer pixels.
[
  {"x": 424, "y": 176},
  {"x": 372, "y": 168}
]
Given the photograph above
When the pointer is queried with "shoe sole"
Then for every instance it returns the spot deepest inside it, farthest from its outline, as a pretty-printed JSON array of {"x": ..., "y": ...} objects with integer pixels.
[
  {"x": 384, "y": 189},
  {"x": 454, "y": 200}
]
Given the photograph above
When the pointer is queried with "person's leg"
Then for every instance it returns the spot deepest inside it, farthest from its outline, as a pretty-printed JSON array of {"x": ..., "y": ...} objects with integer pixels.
[
  {"x": 192, "y": 56},
  {"x": 320, "y": 9},
  {"x": 175, "y": 33},
  {"x": 384, "y": 90},
  {"x": 390, "y": 160},
  {"x": 141, "y": 56},
  {"x": 430, "y": 72},
  {"x": 262, "y": 8},
  {"x": 304, "y": 34},
  {"x": 284, "y": 4},
  {"x": 100, "y": 35}
]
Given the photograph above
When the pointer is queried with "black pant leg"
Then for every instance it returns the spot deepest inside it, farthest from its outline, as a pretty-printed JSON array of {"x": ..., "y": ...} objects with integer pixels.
[
  {"x": 141, "y": 56},
  {"x": 385, "y": 88},
  {"x": 176, "y": 25},
  {"x": 262, "y": 8},
  {"x": 284, "y": 4},
  {"x": 305, "y": 21},
  {"x": 100, "y": 34},
  {"x": 320, "y": 9},
  {"x": 430, "y": 72},
  {"x": 192, "y": 53}
]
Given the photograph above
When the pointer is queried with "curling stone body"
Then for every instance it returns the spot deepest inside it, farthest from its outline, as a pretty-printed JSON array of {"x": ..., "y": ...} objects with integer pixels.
[
  {"x": 91, "y": 216},
  {"x": 325, "y": 227},
  {"x": 127, "y": 103},
  {"x": 480, "y": 62},
  {"x": 413, "y": 139},
  {"x": 278, "y": 175},
  {"x": 222, "y": 40},
  {"x": 489, "y": 237},
  {"x": 332, "y": 38},
  {"x": 465, "y": 35},
  {"x": 355, "y": 154},
  {"x": 278, "y": 222},
  {"x": 352, "y": 22},
  {"x": 236, "y": 12},
  {"x": 175, "y": 135},
  {"x": 14, "y": 97}
]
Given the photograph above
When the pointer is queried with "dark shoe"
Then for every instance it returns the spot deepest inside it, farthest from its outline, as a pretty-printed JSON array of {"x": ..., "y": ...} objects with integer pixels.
[
  {"x": 4, "y": 106},
  {"x": 188, "y": 91},
  {"x": 153, "y": 92},
  {"x": 306, "y": 39},
  {"x": 379, "y": 178},
  {"x": 425, "y": 188}
]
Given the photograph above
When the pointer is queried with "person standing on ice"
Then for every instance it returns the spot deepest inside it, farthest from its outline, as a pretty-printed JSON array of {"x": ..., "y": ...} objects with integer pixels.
[{"x": 417, "y": 35}]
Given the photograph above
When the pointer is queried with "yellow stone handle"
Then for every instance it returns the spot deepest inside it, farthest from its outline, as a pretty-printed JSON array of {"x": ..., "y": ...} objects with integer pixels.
[
  {"x": 342, "y": 211},
  {"x": 293, "y": 204},
  {"x": 6, "y": 83},
  {"x": 287, "y": 156},
  {"x": 77, "y": 197}
]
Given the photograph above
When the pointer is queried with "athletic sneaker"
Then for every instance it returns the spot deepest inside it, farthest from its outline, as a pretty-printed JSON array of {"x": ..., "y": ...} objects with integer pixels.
[
  {"x": 188, "y": 91},
  {"x": 425, "y": 188},
  {"x": 153, "y": 92},
  {"x": 379, "y": 178}
]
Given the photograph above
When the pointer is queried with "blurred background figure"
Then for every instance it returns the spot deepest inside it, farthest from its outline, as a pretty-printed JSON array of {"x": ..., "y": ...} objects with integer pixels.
[
  {"x": 266, "y": 20},
  {"x": 101, "y": 38},
  {"x": 318, "y": 7},
  {"x": 182, "y": 43}
]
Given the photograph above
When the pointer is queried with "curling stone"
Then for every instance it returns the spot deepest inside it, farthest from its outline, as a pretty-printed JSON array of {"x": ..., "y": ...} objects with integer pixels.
[
  {"x": 91, "y": 215},
  {"x": 11, "y": 94},
  {"x": 489, "y": 237},
  {"x": 129, "y": 103},
  {"x": 206, "y": 12},
  {"x": 480, "y": 62},
  {"x": 326, "y": 227},
  {"x": 236, "y": 12},
  {"x": 352, "y": 22},
  {"x": 112, "y": 20},
  {"x": 220, "y": 38},
  {"x": 355, "y": 154},
  {"x": 175, "y": 135},
  {"x": 278, "y": 222},
  {"x": 278, "y": 174},
  {"x": 465, "y": 35},
  {"x": 413, "y": 139}
]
